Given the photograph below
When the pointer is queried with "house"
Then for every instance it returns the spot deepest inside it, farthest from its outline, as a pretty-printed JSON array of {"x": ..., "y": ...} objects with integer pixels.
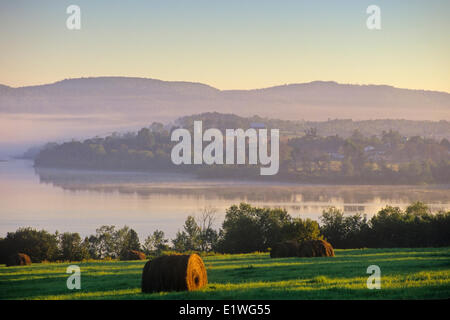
[
  {"x": 257, "y": 125},
  {"x": 335, "y": 156},
  {"x": 368, "y": 149}
]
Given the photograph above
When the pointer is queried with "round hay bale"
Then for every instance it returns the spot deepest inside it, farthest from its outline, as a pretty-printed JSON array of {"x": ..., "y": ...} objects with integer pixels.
[
  {"x": 134, "y": 255},
  {"x": 315, "y": 248},
  {"x": 285, "y": 249},
  {"x": 18, "y": 259},
  {"x": 174, "y": 273},
  {"x": 277, "y": 250}
]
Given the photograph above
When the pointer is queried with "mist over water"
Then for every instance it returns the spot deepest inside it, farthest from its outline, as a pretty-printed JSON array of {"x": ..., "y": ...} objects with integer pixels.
[
  {"x": 81, "y": 200},
  {"x": 18, "y": 132}
]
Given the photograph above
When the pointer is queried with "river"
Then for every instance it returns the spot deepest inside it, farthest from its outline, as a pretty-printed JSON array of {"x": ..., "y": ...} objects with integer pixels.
[{"x": 81, "y": 201}]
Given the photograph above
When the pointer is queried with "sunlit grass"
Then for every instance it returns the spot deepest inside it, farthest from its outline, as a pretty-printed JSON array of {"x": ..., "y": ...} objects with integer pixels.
[{"x": 405, "y": 274}]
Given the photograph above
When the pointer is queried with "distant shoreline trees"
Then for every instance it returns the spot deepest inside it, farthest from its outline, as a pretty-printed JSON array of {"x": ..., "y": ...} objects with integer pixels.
[{"x": 386, "y": 157}]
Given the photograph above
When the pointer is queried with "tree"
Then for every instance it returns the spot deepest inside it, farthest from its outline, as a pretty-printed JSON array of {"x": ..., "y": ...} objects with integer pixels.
[
  {"x": 418, "y": 209},
  {"x": 90, "y": 243},
  {"x": 388, "y": 227},
  {"x": 301, "y": 230},
  {"x": 311, "y": 132},
  {"x": 156, "y": 243},
  {"x": 125, "y": 239},
  {"x": 39, "y": 245},
  {"x": 111, "y": 243},
  {"x": 72, "y": 248},
  {"x": 343, "y": 231},
  {"x": 273, "y": 224},
  {"x": 180, "y": 243},
  {"x": 208, "y": 236},
  {"x": 104, "y": 242},
  {"x": 156, "y": 127},
  {"x": 249, "y": 229},
  {"x": 348, "y": 168},
  {"x": 145, "y": 139},
  {"x": 240, "y": 230},
  {"x": 189, "y": 238}
]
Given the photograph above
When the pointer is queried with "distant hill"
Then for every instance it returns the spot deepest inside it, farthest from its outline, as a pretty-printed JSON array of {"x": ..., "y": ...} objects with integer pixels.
[
  {"x": 135, "y": 98},
  {"x": 365, "y": 156},
  {"x": 5, "y": 89}
]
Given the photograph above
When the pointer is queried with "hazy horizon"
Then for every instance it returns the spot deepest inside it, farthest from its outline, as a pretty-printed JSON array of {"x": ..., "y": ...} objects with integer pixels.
[{"x": 288, "y": 60}]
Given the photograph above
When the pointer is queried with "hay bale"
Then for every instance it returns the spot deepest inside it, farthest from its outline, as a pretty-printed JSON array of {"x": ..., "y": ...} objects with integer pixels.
[
  {"x": 134, "y": 255},
  {"x": 285, "y": 249},
  {"x": 18, "y": 259},
  {"x": 278, "y": 250},
  {"x": 315, "y": 248},
  {"x": 174, "y": 273}
]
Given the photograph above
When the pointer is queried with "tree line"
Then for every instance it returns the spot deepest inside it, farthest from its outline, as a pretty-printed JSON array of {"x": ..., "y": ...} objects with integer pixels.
[
  {"x": 245, "y": 229},
  {"x": 416, "y": 226},
  {"x": 331, "y": 127}
]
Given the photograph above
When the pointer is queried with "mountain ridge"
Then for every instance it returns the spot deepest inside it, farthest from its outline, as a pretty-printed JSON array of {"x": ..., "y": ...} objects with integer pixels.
[
  {"x": 295, "y": 84},
  {"x": 134, "y": 96}
]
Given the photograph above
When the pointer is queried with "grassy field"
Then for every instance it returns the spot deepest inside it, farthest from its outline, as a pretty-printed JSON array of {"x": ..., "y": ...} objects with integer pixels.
[{"x": 405, "y": 274}]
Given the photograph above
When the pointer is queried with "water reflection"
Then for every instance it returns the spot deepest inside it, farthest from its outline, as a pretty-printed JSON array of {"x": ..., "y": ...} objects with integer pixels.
[
  {"x": 297, "y": 197},
  {"x": 80, "y": 201}
]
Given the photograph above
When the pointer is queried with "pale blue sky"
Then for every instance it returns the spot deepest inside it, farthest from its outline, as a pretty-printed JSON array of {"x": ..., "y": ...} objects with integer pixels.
[{"x": 228, "y": 44}]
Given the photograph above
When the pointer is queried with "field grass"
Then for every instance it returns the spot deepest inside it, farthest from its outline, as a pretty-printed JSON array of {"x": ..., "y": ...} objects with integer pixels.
[{"x": 405, "y": 274}]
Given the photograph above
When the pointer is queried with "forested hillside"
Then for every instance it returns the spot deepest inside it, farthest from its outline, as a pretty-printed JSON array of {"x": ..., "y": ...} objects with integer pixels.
[{"x": 306, "y": 155}]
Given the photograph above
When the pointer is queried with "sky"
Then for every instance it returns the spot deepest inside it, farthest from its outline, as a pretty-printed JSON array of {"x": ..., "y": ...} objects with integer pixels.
[{"x": 228, "y": 44}]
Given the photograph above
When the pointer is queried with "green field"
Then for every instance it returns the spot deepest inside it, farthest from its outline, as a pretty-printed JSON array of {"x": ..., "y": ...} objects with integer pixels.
[{"x": 405, "y": 274}]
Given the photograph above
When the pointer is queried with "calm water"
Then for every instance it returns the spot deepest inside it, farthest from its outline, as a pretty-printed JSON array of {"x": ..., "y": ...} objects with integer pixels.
[{"x": 81, "y": 201}]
